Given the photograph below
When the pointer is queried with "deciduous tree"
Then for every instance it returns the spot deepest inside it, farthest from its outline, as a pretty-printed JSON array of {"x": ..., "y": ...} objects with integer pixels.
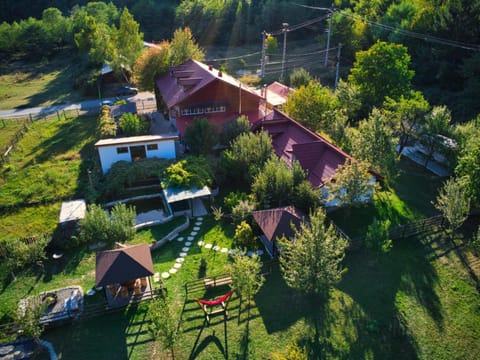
[
  {"x": 201, "y": 136},
  {"x": 312, "y": 261},
  {"x": 248, "y": 154},
  {"x": 352, "y": 185},
  {"x": 245, "y": 273},
  {"x": 375, "y": 144},
  {"x": 150, "y": 65},
  {"x": 381, "y": 71},
  {"x": 453, "y": 202},
  {"x": 312, "y": 105},
  {"x": 184, "y": 47},
  {"x": 163, "y": 324}
]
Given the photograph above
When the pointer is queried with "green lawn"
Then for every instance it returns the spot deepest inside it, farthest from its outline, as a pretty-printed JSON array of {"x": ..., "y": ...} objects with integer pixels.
[
  {"x": 400, "y": 203},
  {"x": 50, "y": 161},
  {"x": 42, "y": 83},
  {"x": 414, "y": 284}
]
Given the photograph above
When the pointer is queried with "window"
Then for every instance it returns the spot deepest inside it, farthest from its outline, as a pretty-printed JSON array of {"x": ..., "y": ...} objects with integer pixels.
[
  {"x": 152, "y": 146},
  {"x": 122, "y": 150}
]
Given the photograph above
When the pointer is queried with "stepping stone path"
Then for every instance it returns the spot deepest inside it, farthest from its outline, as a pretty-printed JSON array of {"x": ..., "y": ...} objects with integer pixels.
[{"x": 179, "y": 261}]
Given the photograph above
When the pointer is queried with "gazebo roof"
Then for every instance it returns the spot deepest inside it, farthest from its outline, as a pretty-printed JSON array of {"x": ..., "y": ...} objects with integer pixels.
[{"x": 121, "y": 265}]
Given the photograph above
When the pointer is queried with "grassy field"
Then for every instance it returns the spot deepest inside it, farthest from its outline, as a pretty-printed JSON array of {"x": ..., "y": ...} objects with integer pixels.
[
  {"x": 421, "y": 304},
  {"x": 47, "y": 82},
  {"x": 8, "y": 129},
  {"x": 56, "y": 153}
]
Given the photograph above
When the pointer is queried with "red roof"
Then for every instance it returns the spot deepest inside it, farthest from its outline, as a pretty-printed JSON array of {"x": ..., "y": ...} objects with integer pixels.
[
  {"x": 187, "y": 79},
  {"x": 292, "y": 141},
  {"x": 277, "y": 222}
]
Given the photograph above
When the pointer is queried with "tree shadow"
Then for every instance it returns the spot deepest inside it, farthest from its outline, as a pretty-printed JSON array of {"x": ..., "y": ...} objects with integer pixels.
[
  {"x": 280, "y": 306},
  {"x": 110, "y": 336},
  {"x": 373, "y": 284},
  {"x": 198, "y": 348},
  {"x": 61, "y": 88}
]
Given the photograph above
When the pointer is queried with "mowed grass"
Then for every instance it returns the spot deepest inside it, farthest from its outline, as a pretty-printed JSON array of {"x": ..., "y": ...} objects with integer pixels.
[
  {"x": 408, "y": 199},
  {"x": 50, "y": 161},
  {"x": 48, "y": 82},
  {"x": 429, "y": 293}
]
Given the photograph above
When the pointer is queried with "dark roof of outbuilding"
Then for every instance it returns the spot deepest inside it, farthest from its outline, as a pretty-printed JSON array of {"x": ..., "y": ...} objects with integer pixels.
[
  {"x": 121, "y": 265},
  {"x": 277, "y": 222}
]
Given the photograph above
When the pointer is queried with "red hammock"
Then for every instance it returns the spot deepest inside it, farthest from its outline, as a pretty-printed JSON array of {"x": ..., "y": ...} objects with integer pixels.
[{"x": 207, "y": 305}]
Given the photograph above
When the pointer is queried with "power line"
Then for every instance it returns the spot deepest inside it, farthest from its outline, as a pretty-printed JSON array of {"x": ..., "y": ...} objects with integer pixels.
[
  {"x": 408, "y": 33},
  {"x": 234, "y": 57},
  {"x": 425, "y": 37}
]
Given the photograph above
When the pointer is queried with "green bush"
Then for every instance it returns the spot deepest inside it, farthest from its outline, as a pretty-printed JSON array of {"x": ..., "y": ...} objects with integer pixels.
[
  {"x": 99, "y": 226},
  {"x": 107, "y": 128},
  {"x": 193, "y": 171},
  {"x": 244, "y": 237},
  {"x": 233, "y": 198},
  {"x": 132, "y": 125}
]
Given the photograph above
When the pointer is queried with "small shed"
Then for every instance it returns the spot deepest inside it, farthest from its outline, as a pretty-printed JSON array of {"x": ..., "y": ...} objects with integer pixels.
[
  {"x": 71, "y": 212},
  {"x": 276, "y": 223},
  {"x": 134, "y": 148}
]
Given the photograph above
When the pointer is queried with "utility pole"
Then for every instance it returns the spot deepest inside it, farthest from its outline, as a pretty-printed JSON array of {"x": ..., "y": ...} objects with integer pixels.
[
  {"x": 285, "y": 30},
  {"x": 264, "y": 49},
  {"x": 328, "y": 38},
  {"x": 338, "y": 64}
]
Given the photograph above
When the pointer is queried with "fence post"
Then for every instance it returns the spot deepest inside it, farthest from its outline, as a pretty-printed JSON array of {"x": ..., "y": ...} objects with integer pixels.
[
  {"x": 58, "y": 116},
  {"x": 30, "y": 117}
]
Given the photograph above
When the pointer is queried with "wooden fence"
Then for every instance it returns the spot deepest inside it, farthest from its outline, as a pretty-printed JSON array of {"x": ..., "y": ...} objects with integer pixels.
[
  {"x": 48, "y": 115},
  {"x": 424, "y": 226}
]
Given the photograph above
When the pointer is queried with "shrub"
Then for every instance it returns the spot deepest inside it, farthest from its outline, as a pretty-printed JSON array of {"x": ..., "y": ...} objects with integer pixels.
[
  {"x": 233, "y": 198},
  {"x": 377, "y": 238},
  {"x": 244, "y": 236},
  {"x": 107, "y": 128},
  {"x": 233, "y": 128},
  {"x": 98, "y": 226},
  {"x": 190, "y": 172},
  {"x": 132, "y": 125},
  {"x": 242, "y": 211}
]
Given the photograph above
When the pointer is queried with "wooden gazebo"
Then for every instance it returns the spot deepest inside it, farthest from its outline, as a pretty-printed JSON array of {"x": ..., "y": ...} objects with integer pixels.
[{"x": 124, "y": 273}]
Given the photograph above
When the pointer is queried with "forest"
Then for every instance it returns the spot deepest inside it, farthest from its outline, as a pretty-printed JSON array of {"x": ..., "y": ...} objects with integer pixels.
[{"x": 441, "y": 36}]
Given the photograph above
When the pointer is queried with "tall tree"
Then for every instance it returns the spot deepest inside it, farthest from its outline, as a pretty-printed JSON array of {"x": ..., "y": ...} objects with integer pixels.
[
  {"x": 375, "y": 144},
  {"x": 150, "y": 65},
  {"x": 407, "y": 115},
  {"x": 245, "y": 273},
  {"x": 128, "y": 43},
  {"x": 380, "y": 72},
  {"x": 437, "y": 122},
  {"x": 453, "y": 202},
  {"x": 248, "y": 154},
  {"x": 163, "y": 324},
  {"x": 468, "y": 164},
  {"x": 312, "y": 260},
  {"x": 274, "y": 185},
  {"x": 312, "y": 105},
  {"x": 184, "y": 47},
  {"x": 352, "y": 185}
]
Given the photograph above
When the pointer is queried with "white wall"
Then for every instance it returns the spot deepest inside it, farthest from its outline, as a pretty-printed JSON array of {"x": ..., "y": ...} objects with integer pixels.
[{"x": 108, "y": 154}]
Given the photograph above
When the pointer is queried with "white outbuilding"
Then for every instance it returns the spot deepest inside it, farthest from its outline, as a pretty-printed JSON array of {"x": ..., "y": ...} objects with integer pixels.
[{"x": 135, "y": 148}]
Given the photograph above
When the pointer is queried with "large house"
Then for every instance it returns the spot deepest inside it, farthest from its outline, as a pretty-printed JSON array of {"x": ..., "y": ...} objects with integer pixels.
[{"x": 194, "y": 89}]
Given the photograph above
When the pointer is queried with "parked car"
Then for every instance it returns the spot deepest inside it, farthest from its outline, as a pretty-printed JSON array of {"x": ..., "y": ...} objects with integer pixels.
[
  {"x": 107, "y": 102},
  {"x": 127, "y": 90}
]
